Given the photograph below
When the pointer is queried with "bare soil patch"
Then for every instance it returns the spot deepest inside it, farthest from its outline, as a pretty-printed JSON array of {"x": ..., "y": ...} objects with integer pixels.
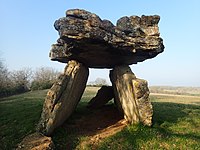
[
  {"x": 36, "y": 141},
  {"x": 95, "y": 126}
]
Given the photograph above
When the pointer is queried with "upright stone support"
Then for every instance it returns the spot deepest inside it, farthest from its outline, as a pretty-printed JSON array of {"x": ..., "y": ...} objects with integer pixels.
[
  {"x": 131, "y": 95},
  {"x": 63, "y": 97},
  {"x": 104, "y": 95}
]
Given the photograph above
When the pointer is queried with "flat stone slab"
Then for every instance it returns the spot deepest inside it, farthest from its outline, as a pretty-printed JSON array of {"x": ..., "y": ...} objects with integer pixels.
[
  {"x": 36, "y": 141},
  {"x": 98, "y": 43}
]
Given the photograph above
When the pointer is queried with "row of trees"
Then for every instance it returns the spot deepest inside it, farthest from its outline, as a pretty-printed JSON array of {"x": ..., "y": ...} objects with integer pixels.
[
  {"x": 19, "y": 81},
  {"x": 23, "y": 80},
  {"x": 98, "y": 82}
]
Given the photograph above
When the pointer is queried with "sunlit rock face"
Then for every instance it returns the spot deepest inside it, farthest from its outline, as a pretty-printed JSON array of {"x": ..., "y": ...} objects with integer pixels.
[
  {"x": 131, "y": 95},
  {"x": 98, "y": 43},
  {"x": 63, "y": 97}
]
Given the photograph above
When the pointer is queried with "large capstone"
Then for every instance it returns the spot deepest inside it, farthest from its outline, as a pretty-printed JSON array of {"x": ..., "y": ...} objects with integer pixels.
[
  {"x": 98, "y": 43},
  {"x": 63, "y": 97},
  {"x": 131, "y": 95}
]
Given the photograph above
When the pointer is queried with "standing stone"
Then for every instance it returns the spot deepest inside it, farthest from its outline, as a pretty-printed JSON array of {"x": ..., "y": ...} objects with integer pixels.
[
  {"x": 131, "y": 95},
  {"x": 104, "y": 95},
  {"x": 63, "y": 97}
]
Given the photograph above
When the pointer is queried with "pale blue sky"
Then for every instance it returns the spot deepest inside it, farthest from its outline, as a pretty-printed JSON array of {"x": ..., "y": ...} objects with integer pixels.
[{"x": 27, "y": 32}]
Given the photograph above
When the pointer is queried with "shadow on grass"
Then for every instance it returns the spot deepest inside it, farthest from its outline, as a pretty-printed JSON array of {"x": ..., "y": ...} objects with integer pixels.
[
  {"x": 169, "y": 112},
  {"x": 165, "y": 115},
  {"x": 140, "y": 137}
]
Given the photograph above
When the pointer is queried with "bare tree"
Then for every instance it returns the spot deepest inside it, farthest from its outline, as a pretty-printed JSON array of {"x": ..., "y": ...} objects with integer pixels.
[
  {"x": 98, "y": 82},
  {"x": 3, "y": 74},
  {"x": 43, "y": 78},
  {"x": 5, "y": 82},
  {"x": 21, "y": 79}
]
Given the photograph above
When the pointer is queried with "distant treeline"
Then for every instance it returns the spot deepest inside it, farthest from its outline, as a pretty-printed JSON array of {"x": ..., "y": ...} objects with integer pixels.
[
  {"x": 26, "y": 79},
  {"x": 98, "y": 82},
  {"x": 19, "y": 81}
]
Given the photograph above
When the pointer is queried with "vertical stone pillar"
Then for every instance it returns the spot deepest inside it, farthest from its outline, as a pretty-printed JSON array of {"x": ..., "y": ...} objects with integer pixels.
[
  {"x": 63, "y": 97},
  {"x": 104, "y": 95},
  {"x": 131, "y": 95}
]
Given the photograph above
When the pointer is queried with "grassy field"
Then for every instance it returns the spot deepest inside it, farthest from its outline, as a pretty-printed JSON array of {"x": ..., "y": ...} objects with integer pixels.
[
  {"x": 195, "y": 91},
  {"x": 19, "y": 115},
  {"x": 176, "y": 124}
]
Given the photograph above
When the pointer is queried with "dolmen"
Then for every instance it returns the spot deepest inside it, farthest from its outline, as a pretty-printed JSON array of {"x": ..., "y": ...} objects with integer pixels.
[{"x": 86, "y": 41}]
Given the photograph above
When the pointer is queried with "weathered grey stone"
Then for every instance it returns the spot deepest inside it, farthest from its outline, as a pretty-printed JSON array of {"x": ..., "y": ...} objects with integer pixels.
[
  {"x": 87, "y": 41},
  {"x": 63, "y": 97},
  {"x": 99, "y": 44},
  {"x": 104, "y": 95},
  {"x": 36, "y": 141},
  {"x": 131, "y": 95}
]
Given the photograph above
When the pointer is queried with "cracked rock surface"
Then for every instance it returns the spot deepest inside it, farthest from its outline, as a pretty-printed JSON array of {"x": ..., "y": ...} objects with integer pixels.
[{"x": 98, "y": 43}]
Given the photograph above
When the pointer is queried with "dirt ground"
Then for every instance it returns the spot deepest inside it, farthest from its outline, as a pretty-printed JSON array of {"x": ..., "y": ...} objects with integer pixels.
[{"x": 99, "y": 124}]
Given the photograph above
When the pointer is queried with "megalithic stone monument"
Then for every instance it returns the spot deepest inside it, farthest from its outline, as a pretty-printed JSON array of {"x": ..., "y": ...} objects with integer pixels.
[
  {"x": 87, "y": 41},
  {"x": 131, "y": 95},
  {"x": 63, "y": 97}
]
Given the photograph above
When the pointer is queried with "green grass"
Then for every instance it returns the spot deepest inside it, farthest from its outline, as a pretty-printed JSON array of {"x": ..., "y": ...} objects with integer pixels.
[
  {"x": 175, "y": 125},
  {"x": 19, "y": 115}
]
